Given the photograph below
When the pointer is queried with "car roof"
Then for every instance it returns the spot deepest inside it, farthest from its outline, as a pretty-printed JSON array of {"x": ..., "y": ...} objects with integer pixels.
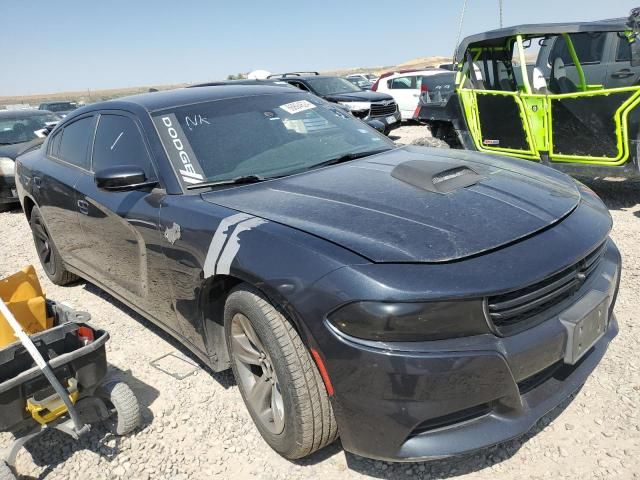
[
  {"x": 496, "y": 37},
  {"x": 23, "y": 113},
  {"x": 184, "y": 96},
  {"x": 425, "y": 72}
]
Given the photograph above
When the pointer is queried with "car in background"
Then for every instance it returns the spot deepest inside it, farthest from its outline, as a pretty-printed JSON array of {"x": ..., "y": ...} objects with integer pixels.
[
  {"x": 20, "y": 132},
  {"x": 367, "y": 77},
  {"x": 363, "y": 104},
  {"x": 394, "y": 295},
  {"x": 60, "y": 108},
  {"x": 406, "y": 87},
  {"x": 371, "y": 121},
  {"x": 359, "y": 82}
]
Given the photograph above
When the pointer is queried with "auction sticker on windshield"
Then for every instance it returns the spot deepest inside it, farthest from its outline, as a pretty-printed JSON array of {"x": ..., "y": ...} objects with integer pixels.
[{"x": 297, "y": 107}]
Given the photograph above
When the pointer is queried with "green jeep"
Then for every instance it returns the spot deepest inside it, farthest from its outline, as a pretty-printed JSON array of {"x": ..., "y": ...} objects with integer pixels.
[{"x": 564, "y": 95}]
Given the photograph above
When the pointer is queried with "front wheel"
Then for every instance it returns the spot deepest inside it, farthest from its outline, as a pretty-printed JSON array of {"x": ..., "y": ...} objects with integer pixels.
[{"x": 279, "y": 382}]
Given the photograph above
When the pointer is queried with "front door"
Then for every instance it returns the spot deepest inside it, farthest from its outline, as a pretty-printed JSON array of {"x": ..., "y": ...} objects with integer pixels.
[{"x": 124, "y": 251}]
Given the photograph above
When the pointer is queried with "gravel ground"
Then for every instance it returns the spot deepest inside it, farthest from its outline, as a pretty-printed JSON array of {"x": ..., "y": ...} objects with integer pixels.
[{"x": 198, "y": 427}]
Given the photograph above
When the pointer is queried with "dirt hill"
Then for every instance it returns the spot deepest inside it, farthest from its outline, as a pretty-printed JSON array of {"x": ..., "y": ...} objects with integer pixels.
[{"x": 90, "y": 96}]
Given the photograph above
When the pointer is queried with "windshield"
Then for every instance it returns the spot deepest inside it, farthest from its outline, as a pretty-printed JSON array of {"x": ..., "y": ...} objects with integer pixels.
[
  {"x": 265, "y": 136},
  {"x": 60, "y": 107},
  {"x": 21, "y": 127},
  {"x": 332, "y": 85}
]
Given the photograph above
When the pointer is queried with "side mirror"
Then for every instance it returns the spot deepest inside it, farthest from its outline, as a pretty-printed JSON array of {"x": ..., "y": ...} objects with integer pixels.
[{"x": 122, "y": 178}]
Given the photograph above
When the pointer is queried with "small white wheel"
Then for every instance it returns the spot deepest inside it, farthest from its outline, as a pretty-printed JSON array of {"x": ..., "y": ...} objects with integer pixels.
[
  {"x": 5, "y": 472},
  {"x": 121, "y": 400}
]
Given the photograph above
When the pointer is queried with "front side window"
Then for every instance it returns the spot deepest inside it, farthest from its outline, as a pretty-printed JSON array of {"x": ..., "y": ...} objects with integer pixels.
[
  {"x": 403, "y": 83},
  {"x": 588, "y": 46},
  {"x": 119, "y": 143},
  {"x": 266, "y": 136},
  {"x": 74, "y": 144},
  {"x": 623, "y": 50}
]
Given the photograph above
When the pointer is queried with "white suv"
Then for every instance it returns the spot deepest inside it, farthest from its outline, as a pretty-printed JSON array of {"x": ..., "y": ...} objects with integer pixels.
[{"x": 405, "y": 87}]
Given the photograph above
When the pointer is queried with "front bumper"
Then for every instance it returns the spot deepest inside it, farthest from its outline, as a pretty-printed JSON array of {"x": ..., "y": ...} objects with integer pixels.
[
  {"x": 426, "y": 400},
  {"x": 8, "y": 189},
  {"x": 391, "y": 122}
]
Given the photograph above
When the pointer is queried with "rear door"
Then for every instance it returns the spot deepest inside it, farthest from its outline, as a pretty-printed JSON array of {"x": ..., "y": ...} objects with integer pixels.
[
  {"x": 122, "y": 226},
  {"x": 406, "y": 92},
  {"x": 54, "y": 185},
  {"x": 620, "y": 72}
]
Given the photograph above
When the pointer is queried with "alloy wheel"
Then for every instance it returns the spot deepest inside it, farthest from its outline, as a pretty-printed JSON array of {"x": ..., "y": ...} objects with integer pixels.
[
  {"x": 44, "y": 247},
  {"x": 257, "y": 375}
]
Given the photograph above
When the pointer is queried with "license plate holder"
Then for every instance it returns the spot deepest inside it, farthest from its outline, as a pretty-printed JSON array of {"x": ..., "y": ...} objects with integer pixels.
[
  {"x": 391, "y": 119},
  {"x": 586, "y": 323}
]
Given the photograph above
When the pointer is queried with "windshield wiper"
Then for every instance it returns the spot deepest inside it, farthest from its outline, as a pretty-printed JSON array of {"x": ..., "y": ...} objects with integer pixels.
[
  {"x": 349, "y": 156},
  {"x": 232, "y": 181}
]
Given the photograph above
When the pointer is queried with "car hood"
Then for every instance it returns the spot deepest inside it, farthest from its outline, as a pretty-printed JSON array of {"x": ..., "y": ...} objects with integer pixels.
[
  {"x": 14, "y": 150},
  {"x": 361, "y": 206},
  {"x": 364, "y": 96}
]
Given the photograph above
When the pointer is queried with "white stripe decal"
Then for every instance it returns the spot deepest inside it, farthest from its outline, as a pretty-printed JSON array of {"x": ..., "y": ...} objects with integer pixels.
[
  {"x": 233, "y": 245},
  {"x": 217, "y": 242}
]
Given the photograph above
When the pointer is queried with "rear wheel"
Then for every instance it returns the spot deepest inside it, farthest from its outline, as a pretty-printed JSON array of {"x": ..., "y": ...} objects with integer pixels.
[
  {"x": 47, "y": 252},
  {"x": 279, "y": 382}
]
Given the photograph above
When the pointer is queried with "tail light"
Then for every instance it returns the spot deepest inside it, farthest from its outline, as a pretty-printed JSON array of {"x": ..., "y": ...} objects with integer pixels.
[
  {"x": 417, "y": 112},
  {"x": 424, "y": 88}
]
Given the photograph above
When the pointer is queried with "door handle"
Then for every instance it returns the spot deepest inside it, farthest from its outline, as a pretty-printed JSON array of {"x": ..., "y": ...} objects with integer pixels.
[
  {"x": 624, "y": 73},
  {"x": 83, "y": 207}
]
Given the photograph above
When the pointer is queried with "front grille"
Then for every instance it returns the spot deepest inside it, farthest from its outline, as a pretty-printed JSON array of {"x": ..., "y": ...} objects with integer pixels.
[
  {"x": 522, "y": 308},
  {"x": 381, "y": 110}
]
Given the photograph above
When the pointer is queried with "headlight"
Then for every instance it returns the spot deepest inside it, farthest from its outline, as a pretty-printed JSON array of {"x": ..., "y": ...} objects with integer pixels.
[
  {"x": 356, "y": 106},
  {"x": 7, "y": 167},
  {"x": 410, "y": 322}
]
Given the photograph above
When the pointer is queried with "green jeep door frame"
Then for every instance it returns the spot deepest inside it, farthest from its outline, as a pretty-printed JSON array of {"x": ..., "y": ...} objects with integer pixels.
[{"x": 538, "y": 114}]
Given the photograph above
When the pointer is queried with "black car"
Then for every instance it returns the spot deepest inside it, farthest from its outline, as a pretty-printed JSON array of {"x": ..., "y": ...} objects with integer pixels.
[
  {"x": 421, "y": 302},
  {"x": 20, "y": 132},
  {"x": 363, "y": 104},
  {"x": 62, "y": 108}
]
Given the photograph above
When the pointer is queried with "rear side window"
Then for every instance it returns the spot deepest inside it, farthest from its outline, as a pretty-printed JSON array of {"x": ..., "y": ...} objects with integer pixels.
[
  {"x": 74, "y": 144},
  {"x": 54, "y": 144},
  {"x": 588, "y": 46},
  {"x": 119, "y": 142},
  {"x": 402, "y": 83}
]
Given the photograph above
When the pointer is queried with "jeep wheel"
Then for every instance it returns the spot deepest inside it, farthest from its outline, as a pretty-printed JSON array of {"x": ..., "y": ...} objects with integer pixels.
[{"x": 277, "y": 378}]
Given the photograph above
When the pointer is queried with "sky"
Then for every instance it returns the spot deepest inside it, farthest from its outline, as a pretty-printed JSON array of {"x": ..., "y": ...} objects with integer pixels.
[{"x": 71, "y": 45}]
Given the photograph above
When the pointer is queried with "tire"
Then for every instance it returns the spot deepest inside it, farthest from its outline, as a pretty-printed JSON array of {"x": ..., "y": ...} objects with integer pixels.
[
  {"x": 307, "y": 421},
  {"x": 6, "y": 207},
  {"x": 121, "y": 400},
  {"x": 5, "y": 472},
  {"x": 48, "y": 254}
]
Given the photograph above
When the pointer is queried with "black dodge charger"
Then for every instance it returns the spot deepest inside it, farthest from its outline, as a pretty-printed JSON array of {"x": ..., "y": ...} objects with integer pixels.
[{"x": 418, "y": 302}]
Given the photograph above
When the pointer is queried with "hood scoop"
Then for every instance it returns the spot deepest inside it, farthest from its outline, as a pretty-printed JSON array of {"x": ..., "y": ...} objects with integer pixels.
[{"x": 434, "y": 176}]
